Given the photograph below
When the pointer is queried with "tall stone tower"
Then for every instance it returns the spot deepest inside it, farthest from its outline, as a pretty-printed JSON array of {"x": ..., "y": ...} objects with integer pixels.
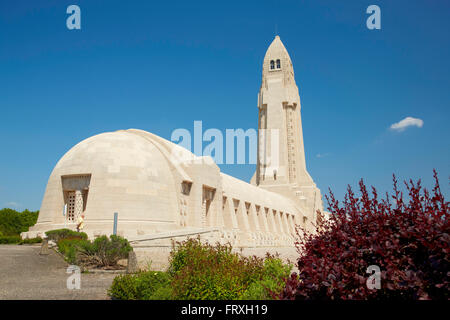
[{"x": 281, "y": 166}]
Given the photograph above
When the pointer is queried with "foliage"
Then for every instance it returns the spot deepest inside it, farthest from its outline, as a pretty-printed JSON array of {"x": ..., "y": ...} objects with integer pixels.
[
  {"x": 13, "y": 222},
  {"x": 149, "y": 285},
  {"x": 69, "y": 247},
  {"x": 31, "y": 240},
  {"x": 408, "y": 240},
  {"x": 59, "y": 234},
  {"x": 203, "y": 271},
  {"x": 102, "y": 252},
  {"x": 275, "y": 272},
  {"x": 10, "y": 239}
]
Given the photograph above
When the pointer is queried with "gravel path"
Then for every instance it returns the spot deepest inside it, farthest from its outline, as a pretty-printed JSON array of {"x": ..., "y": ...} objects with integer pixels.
[{"x": 24, "y": 274}]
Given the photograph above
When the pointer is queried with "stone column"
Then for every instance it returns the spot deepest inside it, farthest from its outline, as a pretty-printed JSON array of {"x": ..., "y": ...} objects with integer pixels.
[
  {"x": 279, "y": 222},
  {"x": 78, "y": 204},
  {"x": 229, "y": 215},
  {"x": 263, "y": 220},
  {"x": 242, "y": 217},
  {"x": 292, "y": 224},
  {"x": 273, "y": 223},
  {"x": 287, "y": 219},
  {"x": 269, "y": 218},
  {"x": 254, "y": 218}
]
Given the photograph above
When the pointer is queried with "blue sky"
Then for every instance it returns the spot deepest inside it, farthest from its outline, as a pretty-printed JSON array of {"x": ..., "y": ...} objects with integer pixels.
[{"x": 161, "y": 65}]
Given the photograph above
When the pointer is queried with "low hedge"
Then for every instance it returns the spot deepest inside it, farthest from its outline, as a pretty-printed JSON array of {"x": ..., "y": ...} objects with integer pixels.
[
  {"x": 31, "y": 240},
  {"x": 150, "y": 285},
  {"x": 10, "y": 239},
  {"x": 59, "y": 234}
]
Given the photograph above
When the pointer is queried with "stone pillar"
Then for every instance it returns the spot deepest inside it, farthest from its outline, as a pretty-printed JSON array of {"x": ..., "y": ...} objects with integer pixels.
[
  {"x": 279, "y": 223},
  {"x": 242, "y": 217},
  {"x": 132, "y": 265},
  {"x": 44, "y": 247},
  {"x": 272, "y": 218},
  {"x": 229, "y": 215},
  {"x": 270, "y": 221},
  {"x": 263, "y": 220},
  {"x": 254, "y": 217},
  {"x": 283, "y": 222},
  {"x": 78, "y": 204},
  {"x": 203, "y": 217},
  {"x": 292, "y": 224},
  {"x": 288, "y": 224}
]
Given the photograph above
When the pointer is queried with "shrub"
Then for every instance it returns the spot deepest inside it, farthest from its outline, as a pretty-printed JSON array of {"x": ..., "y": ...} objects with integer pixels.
[
  {"x": 70, "y": 248},
  {"x": 13, "y": 222},
  {"x": 59, "y": 234},
  {"x": 408, "y": 240},
  {"x": 124, "y": 288},
  {"x": 10, "y": 239},
  {"x": 31, "y": 240},
  {"x": 104, "y": 251},
  {"x": 149, "y": 285},
  {"x": 155, "y": 285},
  {"x": 274, "y": 275},
  {"x": 202, "y": 271}
]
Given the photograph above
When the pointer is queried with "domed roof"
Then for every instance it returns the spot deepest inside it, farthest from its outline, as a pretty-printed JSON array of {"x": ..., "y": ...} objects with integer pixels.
[
  {"x": 128, "y": 174},
  {"x": 117, "y": 152}
]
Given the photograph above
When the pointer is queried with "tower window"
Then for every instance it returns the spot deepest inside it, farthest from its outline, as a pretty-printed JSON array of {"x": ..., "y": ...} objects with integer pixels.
[
  {"x": 278, "y": 64},
  {"x": 272, "y": 64}
]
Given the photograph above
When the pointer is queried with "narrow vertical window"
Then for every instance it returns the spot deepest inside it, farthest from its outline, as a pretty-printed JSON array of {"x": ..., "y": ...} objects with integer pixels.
[
  {"x": 278, "y": 64},
  {"x": 272, "y": 65}
]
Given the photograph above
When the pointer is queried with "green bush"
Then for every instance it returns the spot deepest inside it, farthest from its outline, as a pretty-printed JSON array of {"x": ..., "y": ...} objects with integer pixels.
[
  {"x": 102, "y": 252},
  {"x": 156, "y": 285},
  {"x": 70, "y": 247},
  {"x": 275, "y": 272},
  {"x": 59, "y": 234},
  {"x": 203, "y": 271},
  {"x": 31, "y": 240},
  {"x": 124, "y": 288},
  {"x": 13, "y": 222},
  {"x": 10, "y": 239},
  {"x": 149, "y": 285}
]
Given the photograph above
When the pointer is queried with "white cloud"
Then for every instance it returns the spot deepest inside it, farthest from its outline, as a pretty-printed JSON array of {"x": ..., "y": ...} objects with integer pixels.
[
  {"x": 407, "y": 122},
  {"x": 13, "y": 204},
  {"x": 322, "y": 155}
]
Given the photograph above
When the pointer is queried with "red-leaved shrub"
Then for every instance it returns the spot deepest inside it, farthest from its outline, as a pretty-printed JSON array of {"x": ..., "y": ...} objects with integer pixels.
[{"x": 407, "y": 239}]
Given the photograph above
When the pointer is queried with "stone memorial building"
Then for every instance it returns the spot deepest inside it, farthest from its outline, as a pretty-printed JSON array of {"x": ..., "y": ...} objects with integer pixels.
[{"x": 162, "y": 191}]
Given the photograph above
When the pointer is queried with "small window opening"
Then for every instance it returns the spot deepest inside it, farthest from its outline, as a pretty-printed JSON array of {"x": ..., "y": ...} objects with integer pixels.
[{"x": 272, "y": 64}]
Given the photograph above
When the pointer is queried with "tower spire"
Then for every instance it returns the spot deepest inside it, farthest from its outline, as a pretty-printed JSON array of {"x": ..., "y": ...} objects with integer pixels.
[{"x": 281, "y": 163}]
